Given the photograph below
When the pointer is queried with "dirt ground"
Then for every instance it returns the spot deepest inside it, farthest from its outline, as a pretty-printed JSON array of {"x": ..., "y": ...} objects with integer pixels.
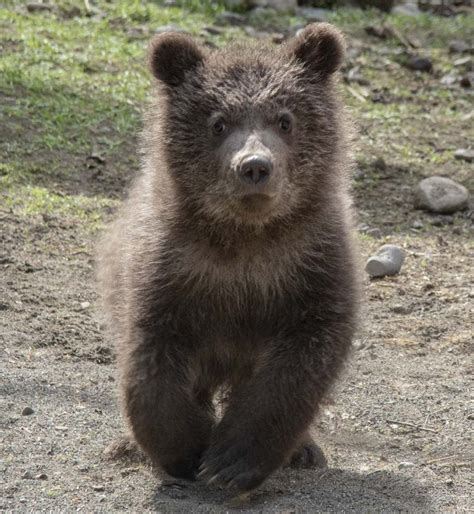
[{"x": 397, "y": 429}]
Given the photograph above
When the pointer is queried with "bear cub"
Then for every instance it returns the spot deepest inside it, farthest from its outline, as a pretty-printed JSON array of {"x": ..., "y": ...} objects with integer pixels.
[{"x": 232, "y": 262}]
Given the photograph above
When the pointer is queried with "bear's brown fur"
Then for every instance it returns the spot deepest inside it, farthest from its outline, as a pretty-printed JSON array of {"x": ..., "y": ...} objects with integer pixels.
[{"x": 232, "y": 261}]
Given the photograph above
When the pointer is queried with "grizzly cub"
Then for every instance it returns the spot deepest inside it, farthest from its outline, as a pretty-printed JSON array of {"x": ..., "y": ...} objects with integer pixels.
[{"x": 232, "y": 263}]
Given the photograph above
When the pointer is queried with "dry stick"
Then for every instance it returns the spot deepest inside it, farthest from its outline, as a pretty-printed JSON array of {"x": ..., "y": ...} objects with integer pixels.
[{"x": 411, "y": 425}]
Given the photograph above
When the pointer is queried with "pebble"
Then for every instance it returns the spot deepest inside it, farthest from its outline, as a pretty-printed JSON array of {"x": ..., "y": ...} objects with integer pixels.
[
  {"x": 230, "y": 18},
  {"x": 375, "y": 232},
  {"x": 400, "y": 309},
  {"x": 457, "y": 46},
  {"x": 169, "y": 28},
  {"x": 27, "y": 475},
  {"x": 278, "y": 5},
  {"x": 464, "y": 154},
  {"x": 404, "y": 465},
  {"x": 313, "y": 14},
  {"x": 407, "y": 9},
  {"x": 387, "y": 261},
  {"x": 39, "y": 7},
  {"x": 417, "y": 224},
  {"x": 98, "y": 487},
  {"x": 85, "y": 305},
  {"x": 418, "y": 63},
  {"x": 27, "y": 411},
  {"x": 441, "y": 195}
]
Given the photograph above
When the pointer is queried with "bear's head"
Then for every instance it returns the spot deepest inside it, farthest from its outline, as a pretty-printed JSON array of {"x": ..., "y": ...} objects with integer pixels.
[{"x": 249, "y": 133}]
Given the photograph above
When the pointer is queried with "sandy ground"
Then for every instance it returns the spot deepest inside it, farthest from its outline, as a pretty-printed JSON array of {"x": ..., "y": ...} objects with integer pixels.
[{"x": 396, "y": 429}]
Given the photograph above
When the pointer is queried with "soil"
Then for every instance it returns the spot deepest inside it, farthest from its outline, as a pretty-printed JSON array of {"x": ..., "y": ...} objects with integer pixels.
[{"x": 396, "y": 429}]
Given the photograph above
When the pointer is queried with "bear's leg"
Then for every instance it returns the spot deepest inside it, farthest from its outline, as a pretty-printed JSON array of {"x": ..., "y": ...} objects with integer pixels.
[
  {"x": 269, "y": 414},
  {"x": 308, "y": 455},
  {"x": 169, "y": 421}
]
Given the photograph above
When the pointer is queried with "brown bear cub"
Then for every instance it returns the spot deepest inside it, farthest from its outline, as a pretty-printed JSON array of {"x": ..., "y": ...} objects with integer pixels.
[{"x": 232, "y": 262}]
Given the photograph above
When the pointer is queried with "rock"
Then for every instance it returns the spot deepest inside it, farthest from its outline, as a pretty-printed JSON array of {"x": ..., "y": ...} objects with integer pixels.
[
  {"x": 278, "y": 5},
  {"x": 417, "y": 63},
  {"x": 449, "y": 79},
  {"x": 462, "y": 61},
  {"x": 313, "y": 14},
  {"x": 374, "y": 232},
  {"x": 230, "y": 18},
  {"x": 210, "y": 29},
  {"x": 98, "y": 487},
  {"x": 85, "y": 305},
  {"x": 441, "y": 195},
  {"x": 404, "y": 465},
  {"x": 457, "y": 46},
  {"x": 170, "y": 28},
  {"x": 467, "y": 80},
  {"x": 387, "y": 261},
  {"x": 464, "y": 154},
  {"x": 233, "y": 5},
  {"x": 27, "y": 475},
  {"x": 417, "y": 224},
  {"x": 408, "y": 9},
  {"x": 41, "y": 476},
  {"x": 27, "y": 411},
  {"x": 38, "y": 7},
  {"x": 400, "y": 309}
]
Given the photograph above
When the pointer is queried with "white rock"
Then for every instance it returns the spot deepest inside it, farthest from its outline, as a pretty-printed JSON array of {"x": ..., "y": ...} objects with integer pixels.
[
  {"x": 404, "y": 465},
  {"x": 464, "y": 154},
  {"x": 387, "y": 261},
  {"x": 440, "y": 194},
  {"x": 313, "y": 14},
  {"x": 408, "y": 9},
  {"x": 279, "y": 5}
]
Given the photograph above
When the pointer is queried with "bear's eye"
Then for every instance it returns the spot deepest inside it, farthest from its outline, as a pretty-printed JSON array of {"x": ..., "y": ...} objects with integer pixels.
[
  {"x": 285, "y": 123},
  {"x": 218, "y": 127}
]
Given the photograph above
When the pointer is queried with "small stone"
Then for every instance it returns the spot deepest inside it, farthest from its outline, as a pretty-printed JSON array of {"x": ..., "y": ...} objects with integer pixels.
[
  {"x": 98, "y": 487},
  {"x": 448, "y": 80},
  {"x": 375, "y": 232},
  {"x": 407, "y": 9},
  {"x": 404, "y": 465},
  {"x": 457, "y": 46},
  {"x": 462, "y": 61},
  {"x": 464, "y": 154},
  {"x": 278, "y": 5},
  {"x": 85, "y": 305},
  {"x": 417, "y": 63},
  {"x": 27, "y": 411},
  {"x": 400, "y": 309},
  {"x": 41, "y": 476},
  {"x": 215, "y": 31},
  {"x": 313, "y": 14},
  {"x": 441, "y": 195},
  {"x": 387, "y": 261},
  {"x": 38, "y": 7},
  {"x": 230, "y": 18},
  {"x": 417, "y": 224},
  {"x": 170, "y": 28},
  {"x": 466, "y": 81},
  {"x": 27, "y": 475}
]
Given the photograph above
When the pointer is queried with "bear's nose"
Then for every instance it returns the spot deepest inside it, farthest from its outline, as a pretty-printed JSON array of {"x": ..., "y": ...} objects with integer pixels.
[{"x": 255, "y": 169}]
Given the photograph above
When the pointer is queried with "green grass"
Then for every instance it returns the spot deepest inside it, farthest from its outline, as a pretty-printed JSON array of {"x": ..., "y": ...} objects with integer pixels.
[{"x": 72, "y": 80}]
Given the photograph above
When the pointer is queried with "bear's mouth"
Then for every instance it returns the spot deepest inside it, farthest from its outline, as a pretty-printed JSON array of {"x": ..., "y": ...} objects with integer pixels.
[{"x": 257, "y": 201}]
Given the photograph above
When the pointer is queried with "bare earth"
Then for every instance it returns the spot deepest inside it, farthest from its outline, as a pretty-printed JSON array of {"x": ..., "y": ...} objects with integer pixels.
[{"x": 396, "y": 429}]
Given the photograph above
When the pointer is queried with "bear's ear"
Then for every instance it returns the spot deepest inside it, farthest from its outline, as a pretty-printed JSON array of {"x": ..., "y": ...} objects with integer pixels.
[
  {"x": 171, "y": 55},
  {"x": 320, "y": 47}
]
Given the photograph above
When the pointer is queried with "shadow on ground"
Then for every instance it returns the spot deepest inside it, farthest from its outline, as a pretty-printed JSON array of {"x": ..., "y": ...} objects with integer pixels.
[{"x": 332, "y": 490}]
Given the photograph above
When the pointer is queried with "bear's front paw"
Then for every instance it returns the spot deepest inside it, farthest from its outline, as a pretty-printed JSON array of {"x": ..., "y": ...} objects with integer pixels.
[{"x": 241, "y": 465}]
